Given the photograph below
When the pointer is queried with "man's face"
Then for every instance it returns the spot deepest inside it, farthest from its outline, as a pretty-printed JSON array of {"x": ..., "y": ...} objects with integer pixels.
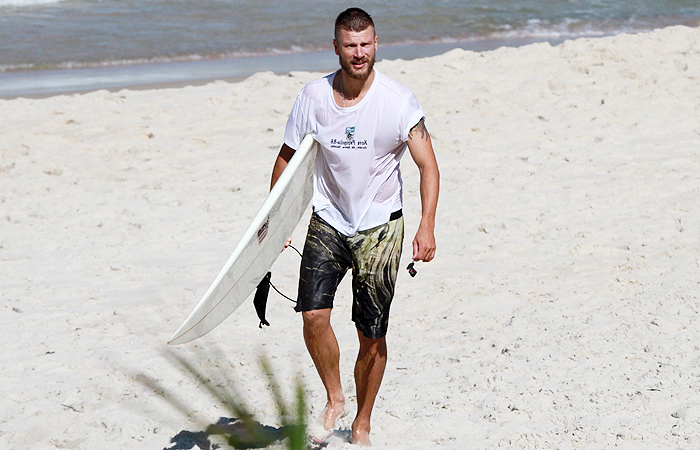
[{"x": 356, "y": 51}]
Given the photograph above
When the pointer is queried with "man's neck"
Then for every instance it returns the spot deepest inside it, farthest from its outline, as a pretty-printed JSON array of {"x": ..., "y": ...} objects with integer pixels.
[{"x": 354, "y": 89}]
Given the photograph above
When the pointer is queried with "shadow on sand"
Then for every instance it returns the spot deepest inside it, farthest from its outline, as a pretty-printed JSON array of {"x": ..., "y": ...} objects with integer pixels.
[
  {"x": 238, "y": 433},
  {"x": 240, "y": 436}
]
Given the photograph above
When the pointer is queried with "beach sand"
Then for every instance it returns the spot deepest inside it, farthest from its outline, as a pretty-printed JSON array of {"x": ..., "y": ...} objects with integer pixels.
[{"x": 561, "y": 311}]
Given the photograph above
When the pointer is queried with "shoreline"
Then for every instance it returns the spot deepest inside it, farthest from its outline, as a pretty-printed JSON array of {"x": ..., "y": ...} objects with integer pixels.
[{"x": 176, "y": 74}]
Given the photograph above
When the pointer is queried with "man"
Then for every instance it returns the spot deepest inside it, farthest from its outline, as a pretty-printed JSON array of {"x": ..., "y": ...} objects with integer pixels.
[{"x": 363, "y": 121}]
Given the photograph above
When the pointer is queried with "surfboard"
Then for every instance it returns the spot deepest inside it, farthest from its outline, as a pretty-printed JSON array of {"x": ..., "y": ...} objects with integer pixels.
[{"x": 257, "y": 250}]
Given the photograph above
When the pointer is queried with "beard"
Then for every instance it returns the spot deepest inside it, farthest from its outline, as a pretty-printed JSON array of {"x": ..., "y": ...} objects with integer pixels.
[{"x": 361, "y": 74}]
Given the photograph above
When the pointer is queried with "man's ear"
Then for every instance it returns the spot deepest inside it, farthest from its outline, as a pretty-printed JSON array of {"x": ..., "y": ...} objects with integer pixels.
[{"x": 335, "y": 47}]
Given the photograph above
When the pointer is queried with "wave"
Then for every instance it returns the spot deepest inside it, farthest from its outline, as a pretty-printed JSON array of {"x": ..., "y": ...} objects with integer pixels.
[
  {"x": 538, "y": 30},
  {"x": 21, "y": 3},
  {"x": 569, "y": 29},
  {"x": 156, "y": 60}
]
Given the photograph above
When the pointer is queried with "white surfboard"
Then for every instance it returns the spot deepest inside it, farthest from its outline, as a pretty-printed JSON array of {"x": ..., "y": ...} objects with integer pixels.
[{"x": 258, "y": 249}]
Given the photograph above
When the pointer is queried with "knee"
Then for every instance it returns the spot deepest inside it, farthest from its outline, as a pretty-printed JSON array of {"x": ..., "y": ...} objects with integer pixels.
[
  {"x": 373, "y": 347},
  {"x": 316, "y": 320}
]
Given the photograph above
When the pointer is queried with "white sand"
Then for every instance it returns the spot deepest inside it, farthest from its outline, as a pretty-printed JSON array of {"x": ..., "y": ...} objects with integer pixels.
[{"x": 561, "y": 311}]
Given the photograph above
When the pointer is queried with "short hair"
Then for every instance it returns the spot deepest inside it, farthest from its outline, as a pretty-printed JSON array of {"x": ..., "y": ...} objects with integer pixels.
[{"x": 353, "y": 19}]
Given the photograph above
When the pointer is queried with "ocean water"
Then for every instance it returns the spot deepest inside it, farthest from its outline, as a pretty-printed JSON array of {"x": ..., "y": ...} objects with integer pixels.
[{"x": 51, "y": 45}]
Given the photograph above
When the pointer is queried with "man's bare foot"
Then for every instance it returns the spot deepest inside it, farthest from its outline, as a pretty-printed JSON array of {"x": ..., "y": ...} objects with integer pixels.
[
  {"x": 360, "y": 437},
  {"x": 332, "y": 413},
  {"x": 323, "y": 428}
]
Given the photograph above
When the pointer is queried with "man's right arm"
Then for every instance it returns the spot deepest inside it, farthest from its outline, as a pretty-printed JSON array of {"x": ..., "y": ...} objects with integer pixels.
[{"x": 283, "y": 158}]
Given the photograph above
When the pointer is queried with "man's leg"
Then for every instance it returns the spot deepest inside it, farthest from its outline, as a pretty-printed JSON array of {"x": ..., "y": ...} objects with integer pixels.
[
  {"x": 369, "y": 371},
  {"x": 323, "y": 348},
  {"x": 377, "y": 253}
]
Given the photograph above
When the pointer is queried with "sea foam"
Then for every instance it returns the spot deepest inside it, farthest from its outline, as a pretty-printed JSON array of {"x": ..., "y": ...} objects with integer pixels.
[{"x": 20, "y": 3}]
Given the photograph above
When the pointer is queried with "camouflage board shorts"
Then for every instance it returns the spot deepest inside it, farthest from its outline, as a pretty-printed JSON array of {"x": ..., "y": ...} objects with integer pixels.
[{"x": 372, "y": 254}]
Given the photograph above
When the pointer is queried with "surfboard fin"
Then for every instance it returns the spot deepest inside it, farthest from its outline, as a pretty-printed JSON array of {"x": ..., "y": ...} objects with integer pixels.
[{"x": 260, "y": 299}]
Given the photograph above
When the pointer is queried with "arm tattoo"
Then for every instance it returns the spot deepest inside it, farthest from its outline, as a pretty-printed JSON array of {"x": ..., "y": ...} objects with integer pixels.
[{"x": 419, "y": 128}]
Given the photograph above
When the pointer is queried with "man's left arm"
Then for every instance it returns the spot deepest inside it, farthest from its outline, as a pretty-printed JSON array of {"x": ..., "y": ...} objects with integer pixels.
[{"x": 421, "y": 148}]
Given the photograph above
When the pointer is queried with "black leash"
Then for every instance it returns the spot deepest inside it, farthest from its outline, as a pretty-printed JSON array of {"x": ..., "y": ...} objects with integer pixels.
[
  {"x": 261, "y": 292},
  {"x": 280, "y": 293},
  {"x": 273, "y": 286}
]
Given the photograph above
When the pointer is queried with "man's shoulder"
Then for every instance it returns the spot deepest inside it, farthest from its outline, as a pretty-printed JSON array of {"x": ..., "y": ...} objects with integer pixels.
[
  {"x": 317, "y": 87},
  {"x": 392, "y": 86}
]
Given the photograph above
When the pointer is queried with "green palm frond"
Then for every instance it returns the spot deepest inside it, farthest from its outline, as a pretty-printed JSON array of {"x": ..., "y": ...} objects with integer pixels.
[{"x": 249, "y": 432}]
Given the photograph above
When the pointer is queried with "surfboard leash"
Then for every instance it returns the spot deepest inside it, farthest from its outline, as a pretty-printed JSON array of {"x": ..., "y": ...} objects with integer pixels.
[
  {"x": 280, "y": 293},
  {"x": 261, "y": 294},
  {"x": 273, "y": 286}
]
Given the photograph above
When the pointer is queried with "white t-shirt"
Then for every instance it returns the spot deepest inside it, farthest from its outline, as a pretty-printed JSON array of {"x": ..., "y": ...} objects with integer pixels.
[{"x": 357, "y": 179}]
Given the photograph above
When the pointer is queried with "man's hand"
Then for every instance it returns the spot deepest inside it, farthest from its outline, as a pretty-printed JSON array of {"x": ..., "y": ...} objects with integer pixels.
[{"x": 424, "y": 245}]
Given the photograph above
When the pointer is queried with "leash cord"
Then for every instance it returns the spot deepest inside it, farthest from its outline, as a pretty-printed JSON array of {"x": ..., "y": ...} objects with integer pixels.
[{"x": 277, "y": 290}]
